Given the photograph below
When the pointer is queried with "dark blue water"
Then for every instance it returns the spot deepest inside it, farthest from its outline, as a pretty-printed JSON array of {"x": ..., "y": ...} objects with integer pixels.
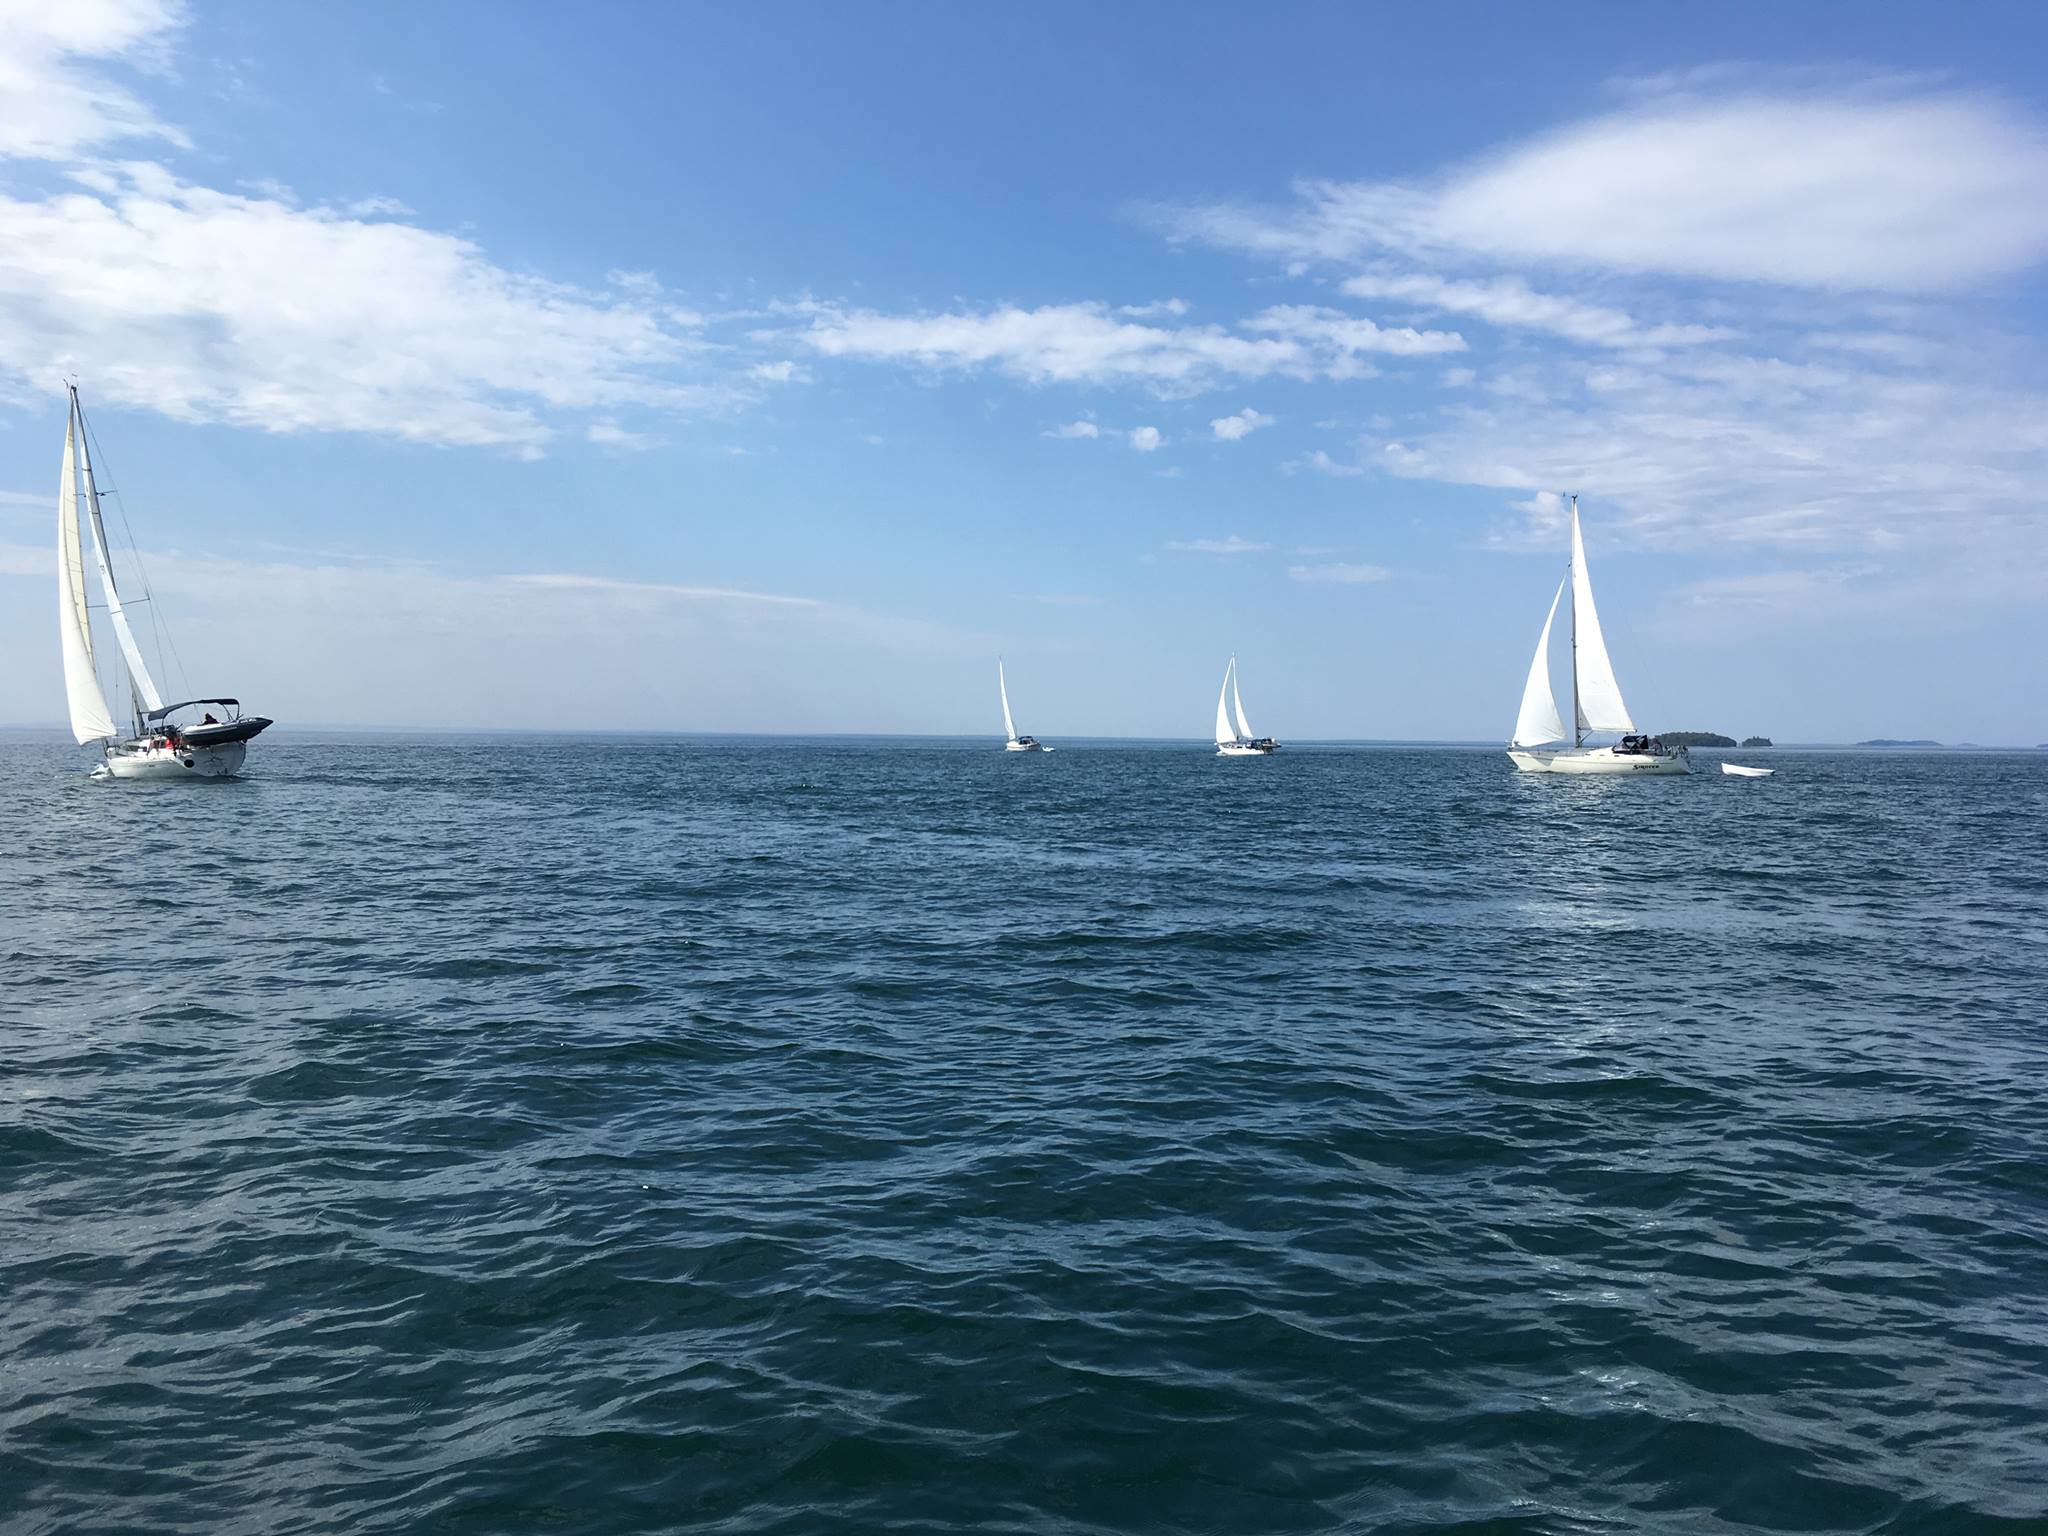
[{"x": 510, "y": 1135}]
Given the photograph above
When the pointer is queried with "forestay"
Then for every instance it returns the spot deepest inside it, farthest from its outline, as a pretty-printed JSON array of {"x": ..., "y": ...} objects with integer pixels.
[
  {"x": 1224, "y": 735},
  {"x": 1002, "y": 683}
]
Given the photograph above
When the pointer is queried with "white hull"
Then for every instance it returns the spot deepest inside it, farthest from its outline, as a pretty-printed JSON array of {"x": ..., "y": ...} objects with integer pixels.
[
  {"x": 1235, "y": 749},
  {"x": 155, "y": 762},
  {"x": 1024, "y": 746},
  {"x": 1604, "y": 760},
  {"x": 1739, "y": 771}
]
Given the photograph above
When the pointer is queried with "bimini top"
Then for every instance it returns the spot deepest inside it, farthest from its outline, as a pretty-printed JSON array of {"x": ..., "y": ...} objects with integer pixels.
[{"x": 158, "y": 714}]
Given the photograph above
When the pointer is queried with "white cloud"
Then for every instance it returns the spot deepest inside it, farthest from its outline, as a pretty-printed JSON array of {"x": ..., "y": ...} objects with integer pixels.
[
  {"x": 1157, "y": 309},
  {"x": 1321, "y": 462},
  {"x": 212, "y": 306},
  {"x": 377, "y": 207},
  {"x": 1087, "y": 343},
  {"x": 1232, "y": 545},
  {"x": 1075, "y": 429},
  {"x": 54, "y": 103},
  {"x": 1347, "y": 574},
  {"x": 609, "y": 434},
  {"x": 1348, "y": 335},
  {"x": 564, "y": 582},
  {"x": 780, "y": 372},
  {"x": 317, "y": 638},
  {"x": 1886, "y": 189},
  {"x": 1146, "y": 439},
  {"x": 1509, "y": 302},
  {"x": 1707, "y": 451},
  {"x": 1230, "y": 429}
]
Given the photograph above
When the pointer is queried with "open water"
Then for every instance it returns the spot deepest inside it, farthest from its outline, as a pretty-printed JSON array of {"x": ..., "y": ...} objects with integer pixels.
[{"x": 506, "y": 1135}]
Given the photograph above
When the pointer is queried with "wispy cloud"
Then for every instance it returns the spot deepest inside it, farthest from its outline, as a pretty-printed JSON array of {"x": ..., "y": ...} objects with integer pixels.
[
  {"x": 1074, "y": 430},
  {"x": 55, "y": 101},
  {"x": 1510, "y": 303},
  {"x": 565, "y": 582},
  {"x": 1890, "y": 189},
  {"x": 1339, "y": 572},
  {"x": 1233, "y": 545},
  {"x": 609, "y": 434},
  {"x": 1088, "y": 343},
  {"x": 1321, "y": 462}
]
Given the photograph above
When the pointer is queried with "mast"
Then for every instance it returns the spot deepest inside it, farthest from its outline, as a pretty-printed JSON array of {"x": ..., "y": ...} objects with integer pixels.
[{"x": 1578, "y": 719}]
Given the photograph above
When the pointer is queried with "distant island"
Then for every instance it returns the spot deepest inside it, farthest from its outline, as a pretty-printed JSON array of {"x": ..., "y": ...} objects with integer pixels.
[
  {"x": 1696, "y": 739},
  {"x": 1756, "y": 741},
  {"x": 1886, "y": 741}
]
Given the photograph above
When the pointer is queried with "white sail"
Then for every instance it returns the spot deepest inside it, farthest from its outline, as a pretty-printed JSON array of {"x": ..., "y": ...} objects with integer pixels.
[
  {"x": 91, "y": 720},
  {"x": 1600, "y": 706},
  {"x": 1009, "y": 725},
  {"x": 1244, "y": 726},
  {"x": 138, "y": 674},
  {"x": 1539, "y": 720},
  {"x": 1224, "y": 735}
]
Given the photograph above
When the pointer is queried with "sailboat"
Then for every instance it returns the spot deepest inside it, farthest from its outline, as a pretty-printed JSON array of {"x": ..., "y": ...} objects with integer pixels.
[
  {"x": 185, "y": 740},
  {"x": 1538, "y": 744},
  {"x": 1014, "y": 742},
  {"x": 1235, "y": 739}
]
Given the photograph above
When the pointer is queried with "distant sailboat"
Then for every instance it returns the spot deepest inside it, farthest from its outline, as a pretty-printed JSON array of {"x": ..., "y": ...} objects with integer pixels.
[
  {"x": 1234, "y": 738},
  {"x": 167, "y": 743},
  {"x": 1014, "y": 743},
  {"x": 1538, "y": 744}
]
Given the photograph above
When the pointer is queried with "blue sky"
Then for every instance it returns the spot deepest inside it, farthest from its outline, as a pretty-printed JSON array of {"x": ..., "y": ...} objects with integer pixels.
[{"x": 775, "y": 368}]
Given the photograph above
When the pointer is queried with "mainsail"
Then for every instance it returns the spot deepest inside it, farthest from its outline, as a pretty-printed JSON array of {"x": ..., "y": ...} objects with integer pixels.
[
  {"x": 1539, "y": 720},
  {"x": 91, "y": 720},
  {"x": 138, "y": 674},
  {"x": 1598, "y": 695},
  {"x": 1244, "y": 726},
  {"x": 1224, "y": 735},
  {"x": 1009, "y": 725}
]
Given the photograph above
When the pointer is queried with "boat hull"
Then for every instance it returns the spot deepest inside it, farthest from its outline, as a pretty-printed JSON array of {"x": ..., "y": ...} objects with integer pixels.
[
  {"x": 1597, "y": 760},
  {"x": 154, "y": 762},
  {"x": 1235, "y": 749},
  {"x": 1739, "y": 771},
  {"x": 1022, "y": 746}
]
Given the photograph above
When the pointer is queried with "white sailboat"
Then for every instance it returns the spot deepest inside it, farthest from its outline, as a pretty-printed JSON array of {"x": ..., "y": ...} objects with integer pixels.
[
  {"x": 1013, "y": 742},
  {"x": 1235, "y": 738},
  {"x": 1538, "y": 744},
  {"x": 169, "y": 741}
]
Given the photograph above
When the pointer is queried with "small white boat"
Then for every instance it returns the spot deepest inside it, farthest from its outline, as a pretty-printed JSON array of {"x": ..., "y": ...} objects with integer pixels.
[
  {"x": 1014, "y": 742},
  {"x": 1236, "y": 739},
  {"x": 1742, "y": 771},
  {"x": 1538, "y": 744},
  {"x": 185, "y": 740}
]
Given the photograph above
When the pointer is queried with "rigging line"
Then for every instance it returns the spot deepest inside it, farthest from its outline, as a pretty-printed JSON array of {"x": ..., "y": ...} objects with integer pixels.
[{"x": 158, "y": 630}]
